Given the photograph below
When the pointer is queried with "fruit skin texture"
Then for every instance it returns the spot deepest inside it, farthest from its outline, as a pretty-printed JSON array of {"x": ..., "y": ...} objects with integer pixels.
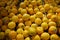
[
  {"x": 12, "y": 34},
  {"x": 39, "y": 30},
  {"x": 44, "y": 25},
  {"x": 52, "y": 30},
  {"x": 20, "y": 37},
  {"x": 2, "y": 35},
  {"x": 39, "y": 14},
  {"x": 45, "y": 36},
  {"x": 11, "y": 25},
  {"x": 34, "y": 25},
  {"x": 32, "y": 31},
  {"x": 38, "y": 21},
  {"x": 37, "y": 37},
  {"x": 27, "y": 38},
  {"x": 52, "y": 23},
  {"x": 54, "y": 37}
]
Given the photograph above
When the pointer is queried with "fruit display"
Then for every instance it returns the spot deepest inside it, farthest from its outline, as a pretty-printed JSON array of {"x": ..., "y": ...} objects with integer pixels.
[{"x": 29, "y": 20}]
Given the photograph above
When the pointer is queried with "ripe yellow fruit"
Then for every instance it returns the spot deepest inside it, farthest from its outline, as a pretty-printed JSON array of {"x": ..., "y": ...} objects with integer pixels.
[
  {"x": 58, "y": 10},
  {"x": 26, "y": 27},
  {"x": 39, "y": 2},
  {"x": 26, "y": 2},
  {"x": 45, "y": 36},
  {"x": 14, "y": 10},
  {"x": 23, "y": 11},
  {"x": 25, "y": 33},
  {"x": 11, "y": 25},
  {"x": 30, "y": 6},
  {"x": 33, "y": 3},
  {"x": 32, "y": 18},
  {"x": 54, "y": 18},
  {"x": 19, "y": 10},
  {"x": 4, "y": 27},
  {"x": 30, "y": 10},
  {"x": 39, "y": 14},
  {"x": 47, "y": 7},
  {"x": 38, "y": 21},
  {"x": 19, "y": 30},
  {"x": 44, "y": 25},
  {"x": 54, "y": 37},
  {"x": 7, "y": 31},
  {"x": 45, "y": 19},
  {"x": 22, "y": 5},
  {"x": 20, "y": 37},
  {"x": 27, "y": 38},
  {"x": 14, "y": 18},
  {"x": 20, "y": 20},
  {"x": 39, "y": 30},
  {"x": 11, "y": 14},
  {"x": 40, "y": 6},
  {"x": 34, "y": 25},
  {"x": 49, "y": 15},
  {"x": 21, "y": 25},
  {"x": 52, "y": 30},
  {"x": 42, "y": 10},
  {"x": 32, "y": 31},
  {"x": 12, "y": 34},
  {"x": 52, "y": 23},
  {"x": 28, "y": 23},
  {"x": 19, "y": 15},
  {"x": 36, "y": 10},
  {"x": 2, "y": 35},
  {"x": 26, "y": 17},
  {"x": 13, "y": 39},
  {"x": 37, "y": 37}
]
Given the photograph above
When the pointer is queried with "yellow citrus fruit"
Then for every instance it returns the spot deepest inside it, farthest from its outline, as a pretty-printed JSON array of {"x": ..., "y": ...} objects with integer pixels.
[
  {"x": 39, "y": 30},
  {"x": 52, "y": 30},
  {"x": 45, "y": 36},
  {"x": 37, "y": 37},
  {"x": 12, "y": 34},
  {"x": 25, "y": 33},
  {"x": 14, "y": 18},
  {"x": 11, "y": 25},
  {"x": 44, "y": 25},
  {"x": 54, "y": 37},
  {"x": 20, "y": 37},
  {"x": 27, "y": 38},
  {"x": 19, "y": 30},
  {"x": 39, "y": 14},
  {"x": 28, "y": 23},
  {"x": 52, "y": 23},
  {"x": 38, "y": 21}
]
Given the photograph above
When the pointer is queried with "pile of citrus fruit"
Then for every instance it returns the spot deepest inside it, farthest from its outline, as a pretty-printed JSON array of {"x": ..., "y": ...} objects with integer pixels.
[{"x": 29, "y": 20}]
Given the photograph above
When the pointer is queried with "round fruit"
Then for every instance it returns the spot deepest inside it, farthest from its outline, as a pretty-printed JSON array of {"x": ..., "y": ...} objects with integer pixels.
[
  {"x": 21, "y": 25},
  {"x": 39, "y": 30},
  {"x": 38, "y": 21},
  {"x": 12, "y": 34},
  {"x": 52, "y": 30},
  {"x": 19, "y": 15},
  {"x": 37, "y": 37},
  {"x": 27, "y": 38},
  {"x": 20, "y": 37},
  {"x": 54, "y": 18},
  {"x": 14, "y": 18},
  {"x": 26, "y": 27},
  {"x": 32, "y": 31},
  {"x": 54, "y": 37},
  {"x": 44, "y": 25},
  {"x": 22, "y": 5},
  {"x": 11, "y": 25},
  {"x": 2, "y": 35},
  {"x": 30, "y": 6},
  {"x": 32, "y": 18},
  {"x": 42, "y": 10},
  {"x": 45, "y": 36},
  {"x": 19, "y": 30},
  {"x": 34, "y": 25},
  {"x": 36, "y": 10},
  {"x": 25, "y": 33},
  {"x": 20, "y": 20},
  {"x": 52, "y": 23},
  {"x": 28, "y": 23},
  {"x": 23, "y": 11},
  {"x": 26, "y": 17},
  {"x": 39, "y": 14}
]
